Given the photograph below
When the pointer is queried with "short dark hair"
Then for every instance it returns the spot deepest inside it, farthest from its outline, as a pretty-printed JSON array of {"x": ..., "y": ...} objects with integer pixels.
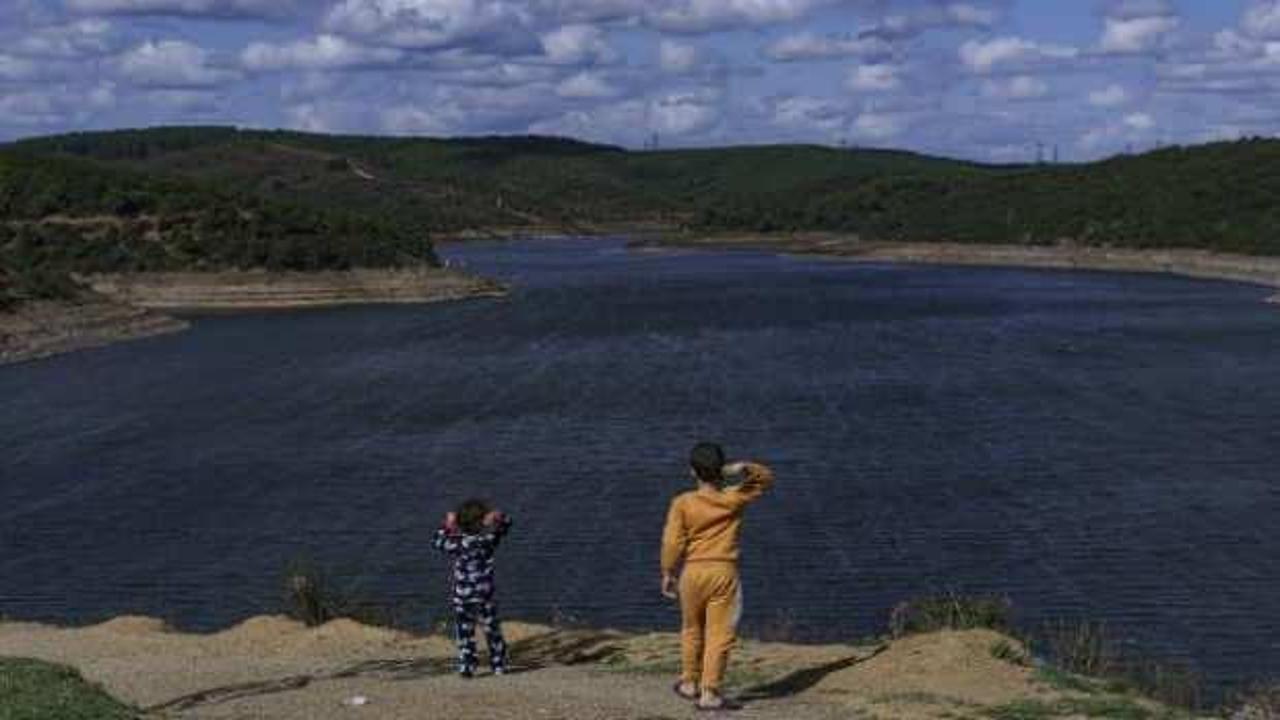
[
  {"x": 707, "y": 461},
  {"x": 471, "y": 515}
]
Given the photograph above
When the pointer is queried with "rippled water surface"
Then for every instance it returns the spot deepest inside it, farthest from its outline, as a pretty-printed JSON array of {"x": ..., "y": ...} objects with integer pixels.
[{"x": 1091, "y": 445}]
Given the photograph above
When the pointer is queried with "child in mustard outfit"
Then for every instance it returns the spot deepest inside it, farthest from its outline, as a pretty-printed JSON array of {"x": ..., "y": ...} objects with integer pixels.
[{"x": 702, "y": 533}]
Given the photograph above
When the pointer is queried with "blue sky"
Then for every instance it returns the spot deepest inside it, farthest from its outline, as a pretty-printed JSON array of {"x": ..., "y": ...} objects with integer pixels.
[{"x": 992, "y": 80}]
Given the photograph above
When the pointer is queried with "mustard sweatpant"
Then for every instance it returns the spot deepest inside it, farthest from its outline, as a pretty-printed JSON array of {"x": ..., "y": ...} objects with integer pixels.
[{"x": 710, "y": 606}]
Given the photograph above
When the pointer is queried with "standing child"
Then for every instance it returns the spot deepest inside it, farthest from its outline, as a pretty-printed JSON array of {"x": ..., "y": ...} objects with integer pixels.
[
  {"x": 703, "y": 529},
  {"x": 471, "y": 535}
]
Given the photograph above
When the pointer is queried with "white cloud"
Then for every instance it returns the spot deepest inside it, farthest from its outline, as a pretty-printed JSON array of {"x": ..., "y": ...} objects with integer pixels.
[
  {"x": 1111, "y": 96},
  {"x": 874, "y": 78},
  {"x": 877, "y": 126},
  {"x": 171, "y": 64},
  {"x": 1022, "y": 87},
  {"x": 809, "y": 113},
  {"x": 934, "y": 16},
  {"x": 678, "y": 58},
  {"x": 70, "y": 41},
  {"x": 323, "y": 52},
  {"x": 987, "y": 56},
  {"x": 685, "y": 113},
  {"x": 191, "y": 8},
  {"x": 810, "y": 46},
  {"x": 1139, "y": 121},
  {"x": 437, "y": 24},
  {"x": 16, "y": 68},
  {"x": 577, "y": 45},
  {"x": 1262, "y": 19},
  {"x": 1136, "y": 35},
  {"x": 587, "y": 85},
  {"x": 700, "y": 16}
]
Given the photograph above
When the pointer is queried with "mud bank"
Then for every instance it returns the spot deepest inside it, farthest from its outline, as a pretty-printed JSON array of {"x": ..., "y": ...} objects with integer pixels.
[
  {"x": 1190, "y": 263},
  {"x": 263, "y": 290},
  {"x": 128, "y": 307}
]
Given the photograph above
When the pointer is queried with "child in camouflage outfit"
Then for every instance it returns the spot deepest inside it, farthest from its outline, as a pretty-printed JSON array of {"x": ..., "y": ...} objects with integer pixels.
[{"x": 470, "y": 536}]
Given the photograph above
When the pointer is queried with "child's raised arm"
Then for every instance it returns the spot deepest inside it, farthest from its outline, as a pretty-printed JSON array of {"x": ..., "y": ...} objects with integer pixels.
[
  {"x": 757, "y": 480},
  {"x": 448, "y": 537},
  {"x": 496, "y": 524}
]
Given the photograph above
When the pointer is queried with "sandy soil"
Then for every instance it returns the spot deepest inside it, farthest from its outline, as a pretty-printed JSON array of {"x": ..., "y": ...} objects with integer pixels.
[
  {"x": 1191, "y": 263},
  {"x": 273, "y": 667}
]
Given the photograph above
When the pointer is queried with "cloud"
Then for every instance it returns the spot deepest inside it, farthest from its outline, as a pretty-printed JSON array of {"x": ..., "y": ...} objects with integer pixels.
[
  {"x": 185, "y": 8},
  {"x": 1137, "y": 26},
  {"x": 1109, "y": 97},
  {"x": 1138, "y": 35},
  {"x": 702, "y": 16},
  {"x": 811, "y": 46},
  {"x": 1022, "y": 87},
  {"x": 935, "y": 16},
  {"x": 876, "y": 126},
  {"x": 1004, "y": 53},
  {"x": 496, "y": 25},
  {"x": 577, "y": 45},
  {"x": 685, "y": 113},
  {"x": 69, "y": 41},
  {"x": 16, "y": 68},
  {"x": 874, "y": 78},
  {"x": 809, "y": 113},
  {"x": 1262, "y": 20},
  {"x": 171, "y": 64},
  {"x": 587, "y": 85},
  {"x": 323, "y": 52},
  {"x": 1139, "y": 121},
  {"x": 678, "y": 58}
]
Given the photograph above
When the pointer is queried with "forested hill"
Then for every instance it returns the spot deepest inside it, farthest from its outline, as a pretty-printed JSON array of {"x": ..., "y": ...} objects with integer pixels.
[{"x": 215, "y": 197}]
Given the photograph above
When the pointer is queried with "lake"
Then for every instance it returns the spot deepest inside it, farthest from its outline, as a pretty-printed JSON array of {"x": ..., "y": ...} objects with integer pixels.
[{"x": 1091, "y": 445}]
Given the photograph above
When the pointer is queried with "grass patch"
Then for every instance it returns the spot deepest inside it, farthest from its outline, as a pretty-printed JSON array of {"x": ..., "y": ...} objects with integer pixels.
[
  {"x": 1114, "y": 708},
  {"x": 1059, "y": 679},
  {"x": 1260, "y": 702},
  {"x": 314, "y": 597},
  {"x": 950, "y": 611},
  {"x": 1010, "y": 652},
  {"x": 36, "y": 690}
]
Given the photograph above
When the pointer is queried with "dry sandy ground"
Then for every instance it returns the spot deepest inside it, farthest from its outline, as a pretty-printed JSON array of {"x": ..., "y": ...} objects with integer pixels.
[{"x": 272, "y": 667}]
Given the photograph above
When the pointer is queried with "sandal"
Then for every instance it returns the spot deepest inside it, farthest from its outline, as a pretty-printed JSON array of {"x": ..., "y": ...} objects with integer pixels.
[
  {"x": 691, "y": 697},
  {"x": 725, "y": 705}
]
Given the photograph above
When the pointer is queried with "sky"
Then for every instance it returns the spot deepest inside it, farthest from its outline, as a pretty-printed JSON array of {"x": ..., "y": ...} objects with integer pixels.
[{"x": 987, "y": 80}]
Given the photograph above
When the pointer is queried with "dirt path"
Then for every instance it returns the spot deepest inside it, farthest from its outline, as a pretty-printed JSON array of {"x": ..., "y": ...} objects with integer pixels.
[{"x": 272, "y": 667}]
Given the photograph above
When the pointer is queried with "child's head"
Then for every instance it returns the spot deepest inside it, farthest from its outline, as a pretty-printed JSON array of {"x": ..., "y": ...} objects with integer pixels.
[
  {"x": 471, "y": 515},
  {"x": 707, "y": 463}
]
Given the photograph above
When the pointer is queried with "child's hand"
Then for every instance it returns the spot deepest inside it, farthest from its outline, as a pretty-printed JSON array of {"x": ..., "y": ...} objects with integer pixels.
[
  {"x": 669, "y": 587},
  {"x": 492, "y": 518},
  {"x": 451, "y": 521}
]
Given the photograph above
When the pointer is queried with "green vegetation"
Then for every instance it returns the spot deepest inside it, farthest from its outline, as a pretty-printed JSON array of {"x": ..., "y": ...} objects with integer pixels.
[
  {"x": 208, "y": 198},
  {"x": 950, "y": 611},
  {"x": 35, "y": 690}
]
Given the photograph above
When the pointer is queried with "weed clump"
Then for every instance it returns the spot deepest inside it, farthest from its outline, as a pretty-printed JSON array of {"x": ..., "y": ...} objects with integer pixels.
[{"x": 950, "y": 611}]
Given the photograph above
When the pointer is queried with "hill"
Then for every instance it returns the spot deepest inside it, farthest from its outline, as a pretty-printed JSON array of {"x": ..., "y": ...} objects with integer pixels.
[{"x": 214, "y": 198}]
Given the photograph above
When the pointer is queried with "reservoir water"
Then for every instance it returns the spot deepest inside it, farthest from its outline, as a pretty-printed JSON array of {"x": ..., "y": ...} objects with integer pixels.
[{"x": 1091, "y": 445}]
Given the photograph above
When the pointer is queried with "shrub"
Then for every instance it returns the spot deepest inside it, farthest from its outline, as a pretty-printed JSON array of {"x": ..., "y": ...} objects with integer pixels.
[{"x": 950, "y": 611}]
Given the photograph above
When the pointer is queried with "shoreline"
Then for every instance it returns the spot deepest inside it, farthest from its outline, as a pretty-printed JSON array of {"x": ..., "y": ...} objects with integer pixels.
[
  {"x": 1202, "y": 264},
  {"x": 132, "y": 307}
]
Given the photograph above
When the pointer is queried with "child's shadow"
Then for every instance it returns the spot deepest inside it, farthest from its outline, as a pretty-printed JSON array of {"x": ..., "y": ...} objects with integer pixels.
[
  {"x": 557, "y": 647},
  {"x": 801, "y": 680}
]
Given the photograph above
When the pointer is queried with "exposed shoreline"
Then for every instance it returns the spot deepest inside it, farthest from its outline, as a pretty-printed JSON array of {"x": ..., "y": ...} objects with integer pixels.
[
  {"x": 1190, "y": 263},
  {"x": 131, "y": 307}
]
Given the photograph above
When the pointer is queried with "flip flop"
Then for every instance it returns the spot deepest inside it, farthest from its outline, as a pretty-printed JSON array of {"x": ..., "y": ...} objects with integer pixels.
[{"x": 691, "y": 697}]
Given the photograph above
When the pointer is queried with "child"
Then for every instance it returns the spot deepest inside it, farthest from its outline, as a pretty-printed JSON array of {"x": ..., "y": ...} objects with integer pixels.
[
  {"x": 471, "y": 535},
  {"x": 702, "y": 530}
]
